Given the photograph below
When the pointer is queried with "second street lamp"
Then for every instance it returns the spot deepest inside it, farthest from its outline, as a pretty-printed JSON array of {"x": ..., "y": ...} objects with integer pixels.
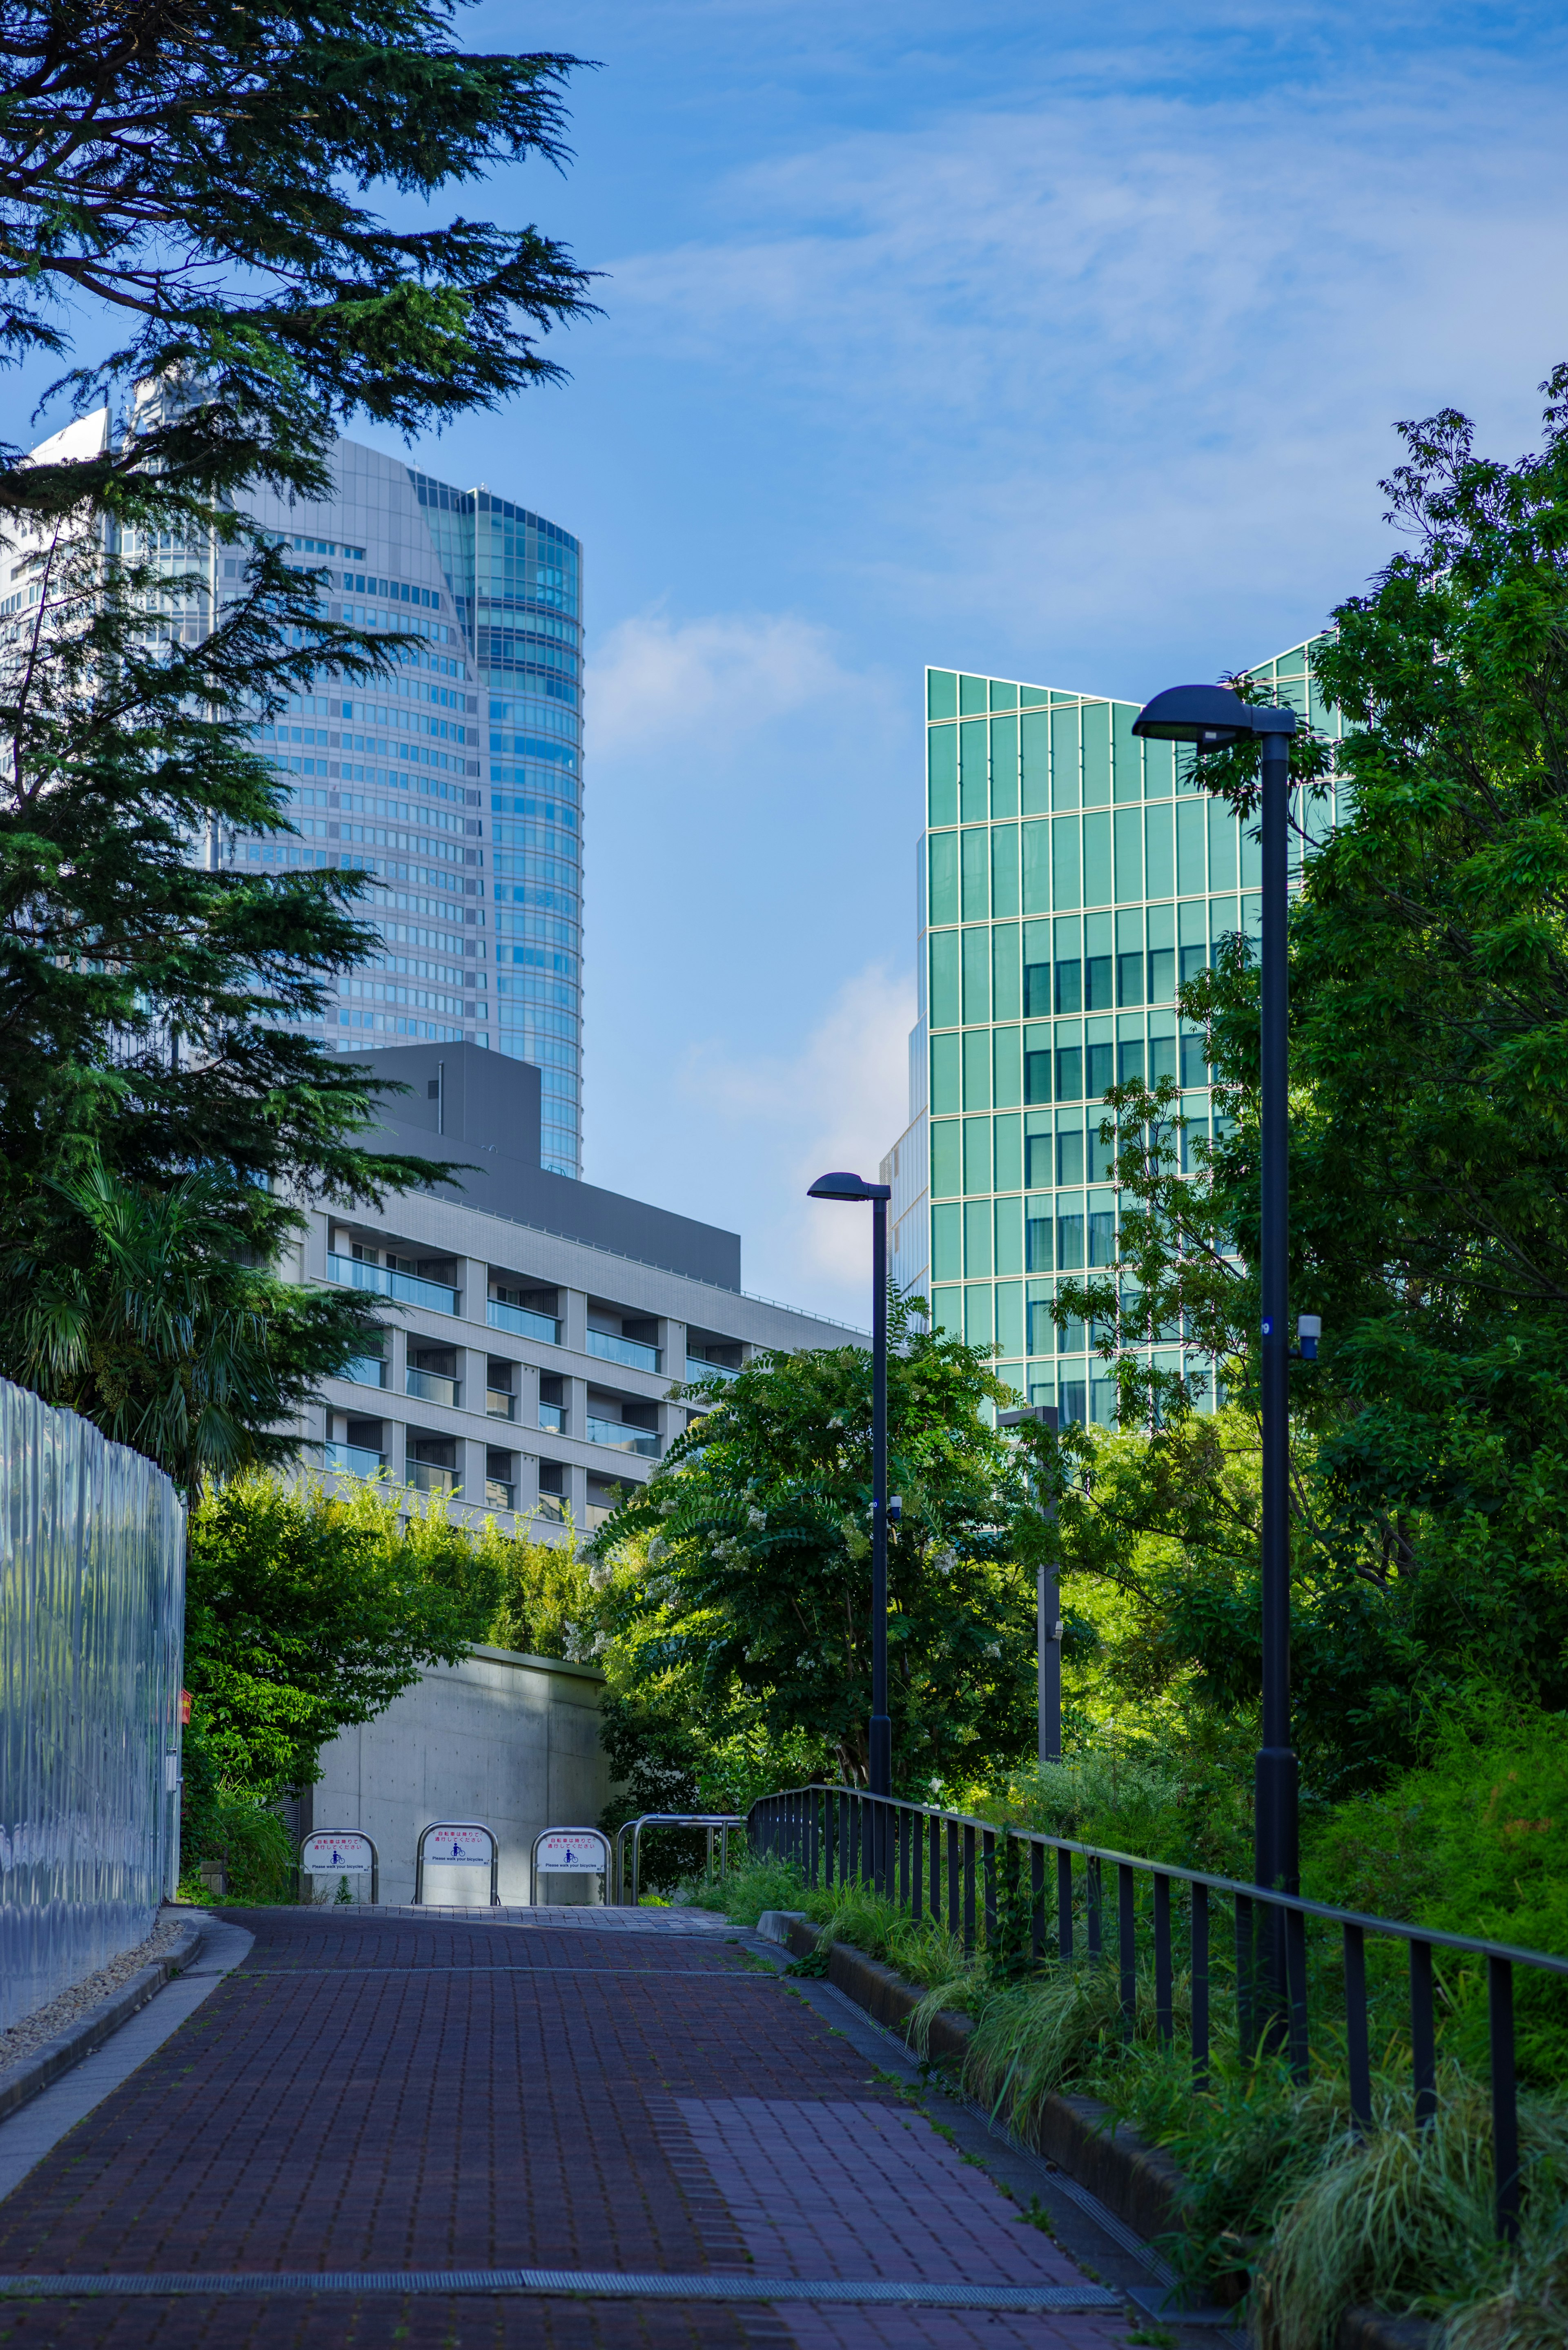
[
  {"x": 879, "y": 1759},
  {"x": 1214, "y": 718}
]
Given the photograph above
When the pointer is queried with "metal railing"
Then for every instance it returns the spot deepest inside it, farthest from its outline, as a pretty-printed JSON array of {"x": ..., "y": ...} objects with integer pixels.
[
  {"x": 355, "y": 1274},
  {"x": 951, "y": 1868},
  {"x": 353, "y": 1460},
  {"x": 612, "y": 1348},
  {"x": 621, "y": 1436},
  {"x": 716, "y": 1823},
  {"x": 500, "y": 1315}
]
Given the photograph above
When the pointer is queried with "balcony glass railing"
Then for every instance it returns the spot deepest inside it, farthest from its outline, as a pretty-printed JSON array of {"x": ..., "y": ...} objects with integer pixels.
[
  {"x": 434, "y": 1387},
  {"x": 499, "y": 1403},
  {"x": 620, "y": 1437},
  {"x": 358, "y": 1274},
  {"x": 354, "y": 1459},
  {"x": 365, "y": 1371},
  {"x": 551, "y": 1507},
  {"x": 497, "y": 1493},
  {"x": 698, "y": 1367},
  {"x": 596, "y": 1515},
  {"x": 630, "y": 1351},
  {"x": 426, "y": 1478},
  {"x": 553, "y": 1416},
  {"x": 502, "y": 1317}
]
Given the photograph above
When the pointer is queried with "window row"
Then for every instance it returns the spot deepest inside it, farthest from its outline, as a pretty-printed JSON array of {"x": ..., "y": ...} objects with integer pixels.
[
  {"x": 995, "y": 872},
  {"x": 1008, "y": 971},
  {"x": 1067, "y": 1061}
]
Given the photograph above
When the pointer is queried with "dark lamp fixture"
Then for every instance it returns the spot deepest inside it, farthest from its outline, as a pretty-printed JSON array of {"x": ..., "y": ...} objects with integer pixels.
[
  {"x": 1212, "y": 716},
  {"x": 848, "y": 1187}
]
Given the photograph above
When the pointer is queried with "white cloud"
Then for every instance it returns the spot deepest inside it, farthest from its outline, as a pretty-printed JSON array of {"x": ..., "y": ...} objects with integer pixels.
[
  {"x": 1112, "y": 353},
  {"x": 656, "y": 682},
  {"x": 839, "y": 1101}
]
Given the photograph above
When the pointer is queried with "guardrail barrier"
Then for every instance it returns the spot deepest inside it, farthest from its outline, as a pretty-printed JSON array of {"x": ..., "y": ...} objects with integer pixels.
[
  {"x": 716, "y": 1823},
  {"x": 952, "y": 1868}
]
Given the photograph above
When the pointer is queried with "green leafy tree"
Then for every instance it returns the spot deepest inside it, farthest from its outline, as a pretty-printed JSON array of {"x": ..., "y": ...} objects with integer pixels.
[
  {"x": 1429, "y": 1218},
  {"x": 750, "y": 1602},
  {"x": 307, "y": 1613},
  {"x": 196, "y": 179}
]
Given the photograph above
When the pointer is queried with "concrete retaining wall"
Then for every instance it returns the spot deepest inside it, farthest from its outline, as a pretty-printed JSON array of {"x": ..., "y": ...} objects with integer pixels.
[{"x": 509, "y": 1739}]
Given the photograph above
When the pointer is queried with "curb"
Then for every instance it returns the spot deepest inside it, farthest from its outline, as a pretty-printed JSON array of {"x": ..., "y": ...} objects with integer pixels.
[
  {"x": 88, "y": 2034},
  {"x": 1139, "y": 2183}
]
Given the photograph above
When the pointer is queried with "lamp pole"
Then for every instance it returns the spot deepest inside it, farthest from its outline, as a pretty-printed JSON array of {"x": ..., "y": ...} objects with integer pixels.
[
  {"x": 880, "y": 1756},
  {"x": 1214, "y": 718},
  {"x": 1048, "y": 1608}
]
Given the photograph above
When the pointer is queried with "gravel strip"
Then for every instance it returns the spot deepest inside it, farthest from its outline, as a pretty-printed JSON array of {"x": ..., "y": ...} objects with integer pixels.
[{"x": 68, "y": 2007}]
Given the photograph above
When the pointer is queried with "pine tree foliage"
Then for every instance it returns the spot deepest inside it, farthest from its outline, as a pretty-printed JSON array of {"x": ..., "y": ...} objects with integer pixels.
[{"x": 196, "y": 182}]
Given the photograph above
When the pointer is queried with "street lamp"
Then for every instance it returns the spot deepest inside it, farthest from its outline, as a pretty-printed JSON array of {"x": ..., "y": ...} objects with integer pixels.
[
  {"x": 1048, "y": 1606},
  {"x": 855, "y": 1187},
  {"x": 1214, "y": 718}
]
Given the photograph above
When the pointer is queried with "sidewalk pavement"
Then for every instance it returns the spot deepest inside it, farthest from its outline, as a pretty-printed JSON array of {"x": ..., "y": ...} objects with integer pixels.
[{"x": 418, "y": 2090}]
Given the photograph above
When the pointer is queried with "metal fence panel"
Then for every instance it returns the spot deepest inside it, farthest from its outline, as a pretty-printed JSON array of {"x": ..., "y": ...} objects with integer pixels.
[{"x": 92, "y": 1602}]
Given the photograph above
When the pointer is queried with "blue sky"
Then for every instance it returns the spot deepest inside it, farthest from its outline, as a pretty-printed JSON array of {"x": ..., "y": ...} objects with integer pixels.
[{"x": 1060, "y": 341}]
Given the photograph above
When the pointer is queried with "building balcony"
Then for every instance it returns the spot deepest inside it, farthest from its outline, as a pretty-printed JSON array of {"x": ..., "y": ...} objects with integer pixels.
[
  {"x": 497, "y": 1493},
  {"x": 365, "y": 1371},
  {"x": 353, "y": 1460},
  {"x": 434, "y": 1387},
  {"x": 357, "y": 1275},
  {"x": 551, "y": 1508},
  {"x": 698, "y": 1367},
  {"x": 553, "y": 1416},
  {"x": 426, "y": 1478},
  {"x": 630, "y": 1351},
  {"x": 517, "y": 1318},
  {"x": 621, "y": 1438},
  {"x": 499, "y": 1403}
]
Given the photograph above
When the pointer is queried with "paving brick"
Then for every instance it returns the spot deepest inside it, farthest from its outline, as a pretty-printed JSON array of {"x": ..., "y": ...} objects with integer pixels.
[{"x": 376, "y": 2088}]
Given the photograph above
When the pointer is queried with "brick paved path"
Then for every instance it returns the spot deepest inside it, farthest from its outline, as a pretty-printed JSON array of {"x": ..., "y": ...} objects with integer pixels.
[{"x": 398, "y": 2089}]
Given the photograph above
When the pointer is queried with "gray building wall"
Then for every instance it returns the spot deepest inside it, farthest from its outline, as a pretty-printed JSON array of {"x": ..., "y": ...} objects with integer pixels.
[
  {"x": 473, "y": 1107},
  {"x": 508, "y": 1739}
]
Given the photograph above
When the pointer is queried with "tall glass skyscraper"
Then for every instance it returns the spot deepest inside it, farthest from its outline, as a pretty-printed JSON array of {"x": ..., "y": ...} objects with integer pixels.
[
  {"x": 1070, "y": 879},
  {"x": 455, "y": 784}
]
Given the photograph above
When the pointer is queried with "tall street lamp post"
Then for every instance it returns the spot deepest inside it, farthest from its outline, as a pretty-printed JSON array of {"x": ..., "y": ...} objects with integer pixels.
[
  {"x": 1048, "y": 1607},
  {"x": 855, "y": 1187},
  {"x": 1214, "y": 718}
]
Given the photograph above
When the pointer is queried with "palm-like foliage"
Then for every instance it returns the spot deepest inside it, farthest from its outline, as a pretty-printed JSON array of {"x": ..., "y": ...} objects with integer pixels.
[{"x": 134, "y": 1307}]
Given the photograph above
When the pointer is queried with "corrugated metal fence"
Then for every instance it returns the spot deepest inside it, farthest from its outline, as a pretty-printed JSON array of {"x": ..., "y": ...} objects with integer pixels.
[{"x": 92, "y": 1601}]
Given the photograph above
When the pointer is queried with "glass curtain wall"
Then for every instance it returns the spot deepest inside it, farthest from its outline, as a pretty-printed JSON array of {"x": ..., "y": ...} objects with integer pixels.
[
  {"x": 516, "y": 581},
  {"x": 1075, "y": 878}
]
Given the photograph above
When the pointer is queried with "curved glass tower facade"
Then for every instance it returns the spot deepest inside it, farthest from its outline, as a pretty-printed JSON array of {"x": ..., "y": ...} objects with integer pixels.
[
  {"x": 1071, "y": 878},
  {"x": 455, "y": 784}
]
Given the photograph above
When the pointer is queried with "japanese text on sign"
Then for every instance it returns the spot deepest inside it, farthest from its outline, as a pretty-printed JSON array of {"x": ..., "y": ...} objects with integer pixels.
[
  {"x": 457, "y": 1847},
  {"x": 336, "y": 1856}
]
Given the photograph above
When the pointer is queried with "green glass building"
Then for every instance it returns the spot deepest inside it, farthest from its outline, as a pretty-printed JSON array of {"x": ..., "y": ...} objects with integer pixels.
[{"x": 1071, "y": 878}]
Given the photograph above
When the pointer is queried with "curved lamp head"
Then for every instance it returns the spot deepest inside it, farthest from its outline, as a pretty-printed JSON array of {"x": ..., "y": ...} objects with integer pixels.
[
  {"x": 1213, "y": 716},
  {"x": 848, "y": 1187}
]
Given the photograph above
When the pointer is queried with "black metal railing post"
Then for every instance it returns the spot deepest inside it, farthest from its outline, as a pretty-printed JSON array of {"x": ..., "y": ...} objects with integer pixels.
[
  {"x": 988, "y": 1877},
  {"x": 1037, "y": 1899},
  {"x": 1357, "y": 2054},
  {"x": 955, "y": 1912},
  {"x": 1126, "y": 1949},
  {"x": 1092, "y": 1907},
  {"x": 1423, "y": 2033},
  {"x": 1504, "y": 2102},
  {"x": 1164, "y": 2006},
  {"x": 968, "y": 1889},
  {"x": 1200, "y": 1986},
  {"x": 1064, "y": 1905}
]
